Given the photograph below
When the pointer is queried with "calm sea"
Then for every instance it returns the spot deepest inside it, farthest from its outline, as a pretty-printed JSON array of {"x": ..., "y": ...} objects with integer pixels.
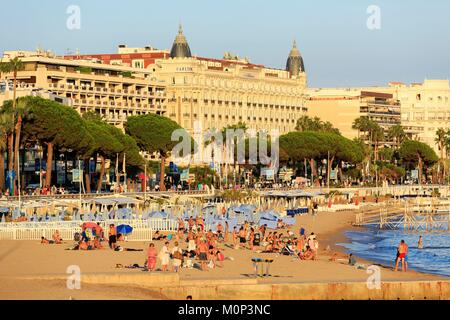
[{"x": 380, "y": 246}]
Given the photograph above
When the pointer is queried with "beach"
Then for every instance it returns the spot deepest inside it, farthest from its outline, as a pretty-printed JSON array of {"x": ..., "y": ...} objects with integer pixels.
[{"x": 29, "y": 270}]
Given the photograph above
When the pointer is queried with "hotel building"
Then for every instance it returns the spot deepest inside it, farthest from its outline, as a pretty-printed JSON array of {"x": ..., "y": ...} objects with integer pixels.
[
  {"x": 219, "y": 92},
  {"x": 342, "y": 106}
]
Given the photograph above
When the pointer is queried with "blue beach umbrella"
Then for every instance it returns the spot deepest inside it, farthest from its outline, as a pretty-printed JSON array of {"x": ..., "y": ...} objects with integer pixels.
[{"x": 124, "y": 229}]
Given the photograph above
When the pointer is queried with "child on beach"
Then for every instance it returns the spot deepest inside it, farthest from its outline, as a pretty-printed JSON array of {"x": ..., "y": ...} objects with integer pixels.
[{"x": 151, "y": 257}]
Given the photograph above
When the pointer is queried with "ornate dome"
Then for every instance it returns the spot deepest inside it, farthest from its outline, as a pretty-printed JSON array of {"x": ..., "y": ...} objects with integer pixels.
[
  {"x": 180, "y": 47},
  {"x": 294, "y": 62}
]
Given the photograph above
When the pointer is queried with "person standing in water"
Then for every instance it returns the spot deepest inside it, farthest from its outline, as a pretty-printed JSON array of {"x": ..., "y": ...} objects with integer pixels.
[
  {"x": 402, "y": 251},
  {"x": 420, "y": 243}
]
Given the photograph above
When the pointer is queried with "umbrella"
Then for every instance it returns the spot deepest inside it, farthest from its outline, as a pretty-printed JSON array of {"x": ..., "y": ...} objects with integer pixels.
[
  {"x": 124, "y": 229},
  {"x": 89, "y": 225}
]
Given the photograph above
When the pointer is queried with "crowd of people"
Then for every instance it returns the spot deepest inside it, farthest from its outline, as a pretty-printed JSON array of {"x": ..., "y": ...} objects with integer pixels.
[
  {"x": 193, "y": 243},
  {"x": 208, "y": 247}
]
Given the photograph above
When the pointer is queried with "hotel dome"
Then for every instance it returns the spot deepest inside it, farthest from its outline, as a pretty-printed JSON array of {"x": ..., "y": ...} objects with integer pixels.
[
  {"x": 180, "y": 47},
  {"x": 294, "y": 62}
]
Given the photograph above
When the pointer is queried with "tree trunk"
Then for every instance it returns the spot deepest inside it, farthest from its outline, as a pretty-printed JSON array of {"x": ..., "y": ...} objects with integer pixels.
[
  {"x": 17, "y": 147},
  {"x": 87, "y": 178},
  {"x": 162, "y": 186},
  {"x": 10, "y": 141},
  {"x": 2, "y": 170},
  {"x": 102, "y": 173},
  {"x": 48, "y": 175},
  {"x": 420, "y": 170},
  {"x": 313, "y": 171},
  {"x": 329, "y": 167},
  {"x": 10, "y": 151}
]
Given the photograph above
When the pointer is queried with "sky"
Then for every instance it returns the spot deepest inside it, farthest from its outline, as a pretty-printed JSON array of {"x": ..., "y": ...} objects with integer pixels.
[{"x": 339, "y": 50}]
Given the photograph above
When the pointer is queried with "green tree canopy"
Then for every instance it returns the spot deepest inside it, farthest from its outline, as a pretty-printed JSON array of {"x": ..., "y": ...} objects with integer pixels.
[
  {"x": 414, "y": 153},
  {"x": 153, "y": 133},
  {"x": 305, "y": 123}
]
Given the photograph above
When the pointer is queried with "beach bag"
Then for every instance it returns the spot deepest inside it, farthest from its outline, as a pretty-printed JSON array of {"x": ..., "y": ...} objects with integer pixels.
[
  {"x": 220, "y": 256},
  {"x": 211, "y": 264}
]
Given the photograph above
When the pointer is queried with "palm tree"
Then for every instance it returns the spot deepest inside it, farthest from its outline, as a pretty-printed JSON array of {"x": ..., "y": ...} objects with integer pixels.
[
  {"x": 362, "y": 124},
  {"x": 5, "y": 128},
  {"x": 442, "y": 140},
  {"x": 14, "y": 65},
  {"x": 377, "y": 135},
  {"x": 21, "y": 112},
  {"x": 397, "y": 134}
]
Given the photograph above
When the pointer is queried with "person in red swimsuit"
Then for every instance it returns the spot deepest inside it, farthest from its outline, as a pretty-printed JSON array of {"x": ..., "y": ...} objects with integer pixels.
[{"x": 402, "y": 251}]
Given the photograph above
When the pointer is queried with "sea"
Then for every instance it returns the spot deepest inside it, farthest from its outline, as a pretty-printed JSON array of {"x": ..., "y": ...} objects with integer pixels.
[{"x": 380, "y": 246}]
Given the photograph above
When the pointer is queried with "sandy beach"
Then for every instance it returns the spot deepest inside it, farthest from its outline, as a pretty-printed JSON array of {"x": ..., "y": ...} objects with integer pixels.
[{"x": 27, "y": 267}]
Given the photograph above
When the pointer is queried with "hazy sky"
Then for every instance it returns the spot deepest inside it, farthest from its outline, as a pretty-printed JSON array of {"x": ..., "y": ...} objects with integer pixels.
[{"x": 337, "y": 47}]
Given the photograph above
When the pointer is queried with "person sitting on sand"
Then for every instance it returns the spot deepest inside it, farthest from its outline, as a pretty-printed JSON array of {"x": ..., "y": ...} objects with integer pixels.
[
  {"x": 307, "y": 255},
  {"x": 151, "y": 257},
  {"x": 45, "y": 241},
  {"x": 83, "y": 246},
  {"x": 96, "y": 243},
  {"x": 56, "y": 237},
  {"x": 159, "y": 236},
  {"x": 351, "y": 259},
  {"x": 220, "y": 258}
]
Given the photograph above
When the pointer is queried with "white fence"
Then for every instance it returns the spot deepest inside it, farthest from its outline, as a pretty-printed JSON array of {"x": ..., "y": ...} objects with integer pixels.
[{"x": 142, "y": 229}]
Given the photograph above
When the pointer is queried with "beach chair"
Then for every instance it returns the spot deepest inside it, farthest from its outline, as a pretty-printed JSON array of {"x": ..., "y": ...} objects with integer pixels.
[{"x": 287, "y": 251}]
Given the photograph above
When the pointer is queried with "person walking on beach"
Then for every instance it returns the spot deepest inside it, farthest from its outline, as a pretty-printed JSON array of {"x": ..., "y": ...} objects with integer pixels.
[
  {"x": 151, "y": 257},
  {"x": 235, "y": 237},
  {"x": 225, "y": 235},
  {"x": 402, "y": 253},
  {"x": 242, "y": 237},
  {"x": 165, "y": 256},
  {"x": 177, "y": 255},
  {"x": 112, "y": 236},
  {"x": 420, "y": 243},
  {"x": 251, "y": 238}
]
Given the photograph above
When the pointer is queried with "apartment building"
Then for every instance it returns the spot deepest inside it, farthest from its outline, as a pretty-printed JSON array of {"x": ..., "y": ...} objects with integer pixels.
[{"x": 113, "y": 91}]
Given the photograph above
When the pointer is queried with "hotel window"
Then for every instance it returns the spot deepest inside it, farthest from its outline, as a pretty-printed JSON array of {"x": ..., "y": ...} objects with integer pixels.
[{"x": 138, "y": 63}]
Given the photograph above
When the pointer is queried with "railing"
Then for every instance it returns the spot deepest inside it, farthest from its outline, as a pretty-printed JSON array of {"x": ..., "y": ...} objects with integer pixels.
[{"x": 142, "y": 229}]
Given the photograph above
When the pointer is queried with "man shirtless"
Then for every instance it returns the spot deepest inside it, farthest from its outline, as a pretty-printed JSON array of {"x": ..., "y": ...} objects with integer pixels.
[
  {"x": 402, "y": 252},
  {"x": 203, "y": 254}
]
